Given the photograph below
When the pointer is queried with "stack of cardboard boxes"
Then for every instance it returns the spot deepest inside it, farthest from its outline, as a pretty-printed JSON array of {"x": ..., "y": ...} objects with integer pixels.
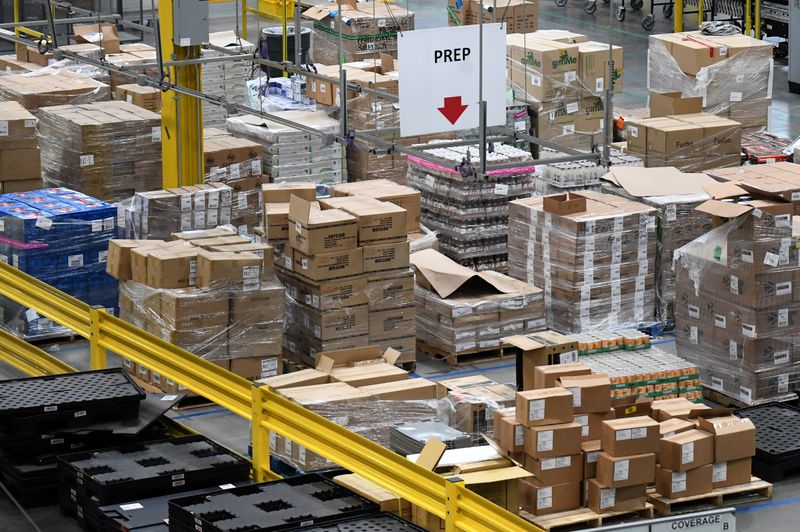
[
  {"x": 519, "y": 16},
  {"x": 474, "y": 403},
  {"x": 732, "y": 73},
  {"x": 461, "y": 312},
  {"x": 160, "y": 213},
  {"x": 365, "y": 30},
  {"x": 562, "y": 77},
  {"x": 227, "y": 79},
  {"x": 236, "y": 163},
  {"x": 135, "y": 57},
  {"x": 347, "y": 275},
  {"x": 214, "y": 296},
  {"x": 291, "y": 155},
  {"x": 737, "y": 305},
  {"x": 20, "y": 167},
  {"x": 146, "y": 97},
  {"x": 58, "y": 87},
  {"x": 110, "y": 150},
  {"x": 779, "y": 180},
  {"x": 691, "y": 143},
  {"x": 593, "y": 254}
]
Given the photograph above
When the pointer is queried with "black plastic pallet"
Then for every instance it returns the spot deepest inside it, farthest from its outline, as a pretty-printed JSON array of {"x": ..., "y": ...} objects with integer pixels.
[
  {"x": 31, "y": 404},
  {"x": 281, "y": 505},
  {"x": 777, "y": 439},
  {"x": 150, "y": 469},
  {"x": 379, "y": 522}
]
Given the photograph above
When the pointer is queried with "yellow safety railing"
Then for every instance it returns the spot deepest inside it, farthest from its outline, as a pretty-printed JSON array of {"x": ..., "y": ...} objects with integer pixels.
[
  {"x": 460, "y": 508},
  {"x": 20, "y": 30}
]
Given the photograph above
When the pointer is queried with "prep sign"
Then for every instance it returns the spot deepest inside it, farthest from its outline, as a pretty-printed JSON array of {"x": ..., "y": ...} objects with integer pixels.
[{"x": 440, "y": 90}]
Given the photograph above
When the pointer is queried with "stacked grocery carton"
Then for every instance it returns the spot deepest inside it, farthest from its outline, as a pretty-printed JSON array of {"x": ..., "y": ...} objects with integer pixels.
[
  {"x": 226, "y": 79},
  {"x": 346, "y": 270},
  {"x": 737, "y": 305},
  {"x": 20, "y": 167},
  {"x": 107, "y": 149},
  {"x": 776, "y": 180},
  {"x": 52, "y": 87},
  {"x": 146, "y": 97},
  {"x": 215, "y": 296},
  {"x": 60, "y": 237},
  {"x": 519, "y": 16},
  {"x": 470, "y": 213},
  {"x": 691, "y": 143},
  {"x": 461, "y": 312},
  {"x": 160, "y": 213},
  {"x": 236, "y": 163},
  {"x": 134, "y": 57},
  {"x": 592, "y": 253},
  {"x": 732, "y": 73},
  {"x": 291, "y": 155},
  {"x": 562, "y": 77}
]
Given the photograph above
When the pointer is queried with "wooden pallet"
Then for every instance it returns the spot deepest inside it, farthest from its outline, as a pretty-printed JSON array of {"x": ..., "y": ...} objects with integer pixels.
[
  {"x": 584, "y": 517},
  {"x": 461, "y": 358},
  {"x": 731, "y": 402},
  {"x": 755, "y": 490}
]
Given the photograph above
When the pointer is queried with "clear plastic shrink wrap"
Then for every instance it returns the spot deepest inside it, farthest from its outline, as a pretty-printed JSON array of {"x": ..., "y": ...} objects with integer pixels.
[
  {"x": 109, "y": 150},
  {"x": 737, "y": 306},
  {"x": 60, "y": 237},
  {"x": 595, "y": 260},
  {"x": 50, "y": 87}
]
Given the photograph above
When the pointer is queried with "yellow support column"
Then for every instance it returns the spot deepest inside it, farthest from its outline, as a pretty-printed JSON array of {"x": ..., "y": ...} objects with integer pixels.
[
  {"x": 181, "y": 115},
  {"x": 451, "y": 488},
  {"x": 259, "y": 438},
  {"x": 97, "y": 353}
]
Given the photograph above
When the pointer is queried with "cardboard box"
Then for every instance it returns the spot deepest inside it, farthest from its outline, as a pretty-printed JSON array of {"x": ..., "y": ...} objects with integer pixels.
[
  {"x": 377, "y": 220},
  {"x": 257, "y": 367},
  {"x": 674, "y": 426},
  {"x": 326, "y": 295},
  {"x": 102, "y": 35},
  {"x": 548, "y": 376},
  {"x": 394, "y": 323},
  {"x": 295, "y": 379},
  {"x": 542, "y": 349},
  {"x": 673, "y": 103},
  {"x": 591, "y": 451},
  {"x": 509, "y": 433},
  {"x": 593, "y": 66},
  {"x": 326, "y": 266},
  {"x": 541, "y": 499},
  {"x": 591, "y": 394},
  {"x": 192, "y": 309},
  {"x": 386, "y": 256},
  {"x": 628, "y": 436},
  {"x": 385, "y": 190},
  {"x": 549, "y": 406},
  {"x": 231, "y": 270},
  {"x": 419, "y": 389},
  {"x": 602, "y": 499},
  {"x": 679, "y": 407},
  {"x": 734, "y": 438},
  {"x": 686, "y": 450},
  {"x": 622, "y": 471},
  {"x": 732, "y": 473},
  {"x": 553, "y": 440},
  {"x": 592, "y": 425},
  {"x": 313, "y": 231},
  {"x": 677, "y": 484},
  {"x": 556, "y": 470},
  {"x": 119, "y": 260},
  {"x": 631, "y": 407},
  {"x": 172, "y": 269}
]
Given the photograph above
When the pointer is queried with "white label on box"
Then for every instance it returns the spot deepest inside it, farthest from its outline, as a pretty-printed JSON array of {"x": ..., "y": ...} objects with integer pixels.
[
  {"x": 634, "y": 131},
  {"x": 783, "y": 383},
  {"x": 155, "y": 134},
  {"x": 733, "y": 350},
  {"x": 734, "y": 284},
  {"x": 74, "y": 261},
  {"x": 255, "y": 166},
  {"x": 781, "y": 357},
  {"x": 287, "y": 262},
  {"x": 242, "y": 200},
  {"x": 430, "y": 181},
  {"x": 678, "y": 482},
  {"x": 572, "y": 108},
  {"x": 304, "y": 263},
  {"x": 748, "y": 330},
  {"x": 716, "y": 382},
  {"x": 694, "y": 311},
  {"x": 97, "y": 225},
  {"x": 745, "y": 394},
  {"x": 719, "y": 321},
  {"x": 758, "y": 213},
  {"x": 576, "y": 396},
  {"x": 102, "y": 256},
  {"x": 15, "y": 260},
  {"x": 212, "y": 217},
  {"x": 624, "y": 434},
  {"x": 569, "y": 77},
  {"x": 568, "y": 358},
  {"x": 599, "y": 84},
  {"x": 544, "y": 441},
  {"x": 30, "y": 122},
  {"x": 795, "y": 196},
  {"x": 185, "y": 41},
  {"x": 592, "y": 457},
  {"x": 568, "y": 129},
  {"x": 544, "y": 498},
  {"x": 638, "y": 434},
  {"x": 720, "y": 472},
  {"x": 693, "y": 334},
  {"x": 44, "y": 222},
  {"x": 783, "y": 220},
  {"x": 563, "y": 461},
  {"x": 747, "y": 256},
  {"x": 536, "y": 80},
  {"x": 783, "y": 317},
  {"x": 213, "y": 200},
  {"x": 3, "y": 128},
  {"x": 250, "y": 272},
  {"x": 771, "y": 259},
  {"x": 200, "y": 200},
  {"x": 607, "y": 497},
  {"x": 301, "y": 454},
  {"x": 501, "y": 189},
  {"x": 723, "y": 51},
  {"x": 736, "y": 96},
  {"x": 783, "y": 289},
  {"x": 621, "y": 468},
  {"x": 519, "y": 435},
  {"x": 129, "y": 507},
  {"x": 672, "y": 213},
  {"x": 687, "y": 453},
  {"x": 235, "y": 171},
  {"x": 520, "y": 125},
  {"x": 548, "y": 463},
  {"x": 186, "y": 221},
  {"x": 536, "y": 410},
  {"x": 287, "y": 447},
  {"x": 108, "y": 224},
  {"x": 186, "y": 203},
  {"x": 129, "y": 98},
  {"x": 86, "y": 160}
]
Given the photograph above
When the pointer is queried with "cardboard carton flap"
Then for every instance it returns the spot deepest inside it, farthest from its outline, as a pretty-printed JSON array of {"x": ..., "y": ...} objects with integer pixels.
[
  {"x": 494, "y": 475},
  {"x": 724, "y": 190},
  {"x": 317, "y": 13},
  {"x": 522, "y": 342},
  {"x": 431, "y": 454},
  {"x": 666, "y": 181},
  {"x": 466, "y": 455},
  {"x": 327, "y": 360},
  {"x": 446, "y": 276},
  {"x": 723, "y": 209},
  {"x": 299, "y": 209}
]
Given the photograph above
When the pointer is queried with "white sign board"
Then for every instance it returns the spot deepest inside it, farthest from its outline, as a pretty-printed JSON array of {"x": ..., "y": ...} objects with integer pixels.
[
  {"x": 439, "y": 78},
  {"x": 705, "y": 523}
]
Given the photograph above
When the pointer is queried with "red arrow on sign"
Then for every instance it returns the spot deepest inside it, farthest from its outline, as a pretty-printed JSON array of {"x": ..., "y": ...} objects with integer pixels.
[{"x": 453, "y": 109}]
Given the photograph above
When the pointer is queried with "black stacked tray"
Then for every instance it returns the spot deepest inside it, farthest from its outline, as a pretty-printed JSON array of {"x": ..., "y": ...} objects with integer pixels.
[
  {"x": 90, "y": 480},
  {"x": 381, "y": 522},
  {"x": 777, "y": 439},
  {"x": 281, "y": 505}
]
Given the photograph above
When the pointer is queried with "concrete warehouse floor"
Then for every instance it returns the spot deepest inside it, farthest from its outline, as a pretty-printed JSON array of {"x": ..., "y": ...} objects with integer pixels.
[{"x": 231, "y": 430}]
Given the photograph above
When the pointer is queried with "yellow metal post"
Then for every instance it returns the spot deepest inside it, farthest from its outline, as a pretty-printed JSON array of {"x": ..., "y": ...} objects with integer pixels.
[
  {"x": 700, "y": 6},
  {"x": 451, "y": 502},
  {"x": 259, "y": 439},
  {"x": 244, "y": 19},
  {"x": 678, "y": 21},
  {"x": 181, "y": 115},
  {"x": 757, "y": 27},
  {"x": 747, "y": 17},
  {"x": 97, "y": 353}
]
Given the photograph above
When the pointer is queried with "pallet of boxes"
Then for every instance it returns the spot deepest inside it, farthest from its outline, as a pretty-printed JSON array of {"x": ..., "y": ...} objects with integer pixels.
[
  {"x": 212, "y": 293},
  {"x": 519, "y": 16},
  {"x": 20, "y": 166},
  {"x": 346, "y": 270}
]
